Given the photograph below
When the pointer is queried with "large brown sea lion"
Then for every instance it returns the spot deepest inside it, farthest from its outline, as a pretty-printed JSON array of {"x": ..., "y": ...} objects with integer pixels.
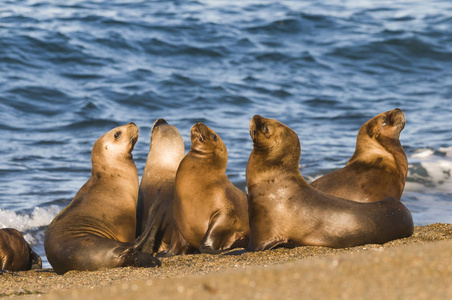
[
  {"x": 286, "y": 211},
  {"x": 165, "y": 153},
  {"x": 97, "y": 229},
  {"x": 379, "y": 166},
  {"x": 15, "y": 253},
  {"x": 211, "y": 214}
]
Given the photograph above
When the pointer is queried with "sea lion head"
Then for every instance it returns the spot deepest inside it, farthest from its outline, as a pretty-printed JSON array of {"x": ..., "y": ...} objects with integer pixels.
[
  {"x": 206, "y": 141},
  {"x": 35, "y": 260},
  {"x": 384, "y": 129},
  {"x": 115, "y": 146},
  {"x": 274, "y": 140},
  {"x": 167, "y": 146},
  {"x": 388, "y": 124}
]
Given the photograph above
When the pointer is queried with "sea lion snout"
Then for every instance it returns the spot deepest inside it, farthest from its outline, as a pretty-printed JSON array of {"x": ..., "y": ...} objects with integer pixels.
[
  {"x": 395, "y": 118},
  {"x": 253, "y": 133},
  {"x": 256, "y": 125},
  {"x": 135, "y": 132},
  {"x": 256, "y": 121},
  {"x": 259, "y": 124},
  {"x": 36, "y": 261},
  {"x": 198, "y": 132},
  {"x": 399, "y": 117},
  {"x": 158, "y": 123}
]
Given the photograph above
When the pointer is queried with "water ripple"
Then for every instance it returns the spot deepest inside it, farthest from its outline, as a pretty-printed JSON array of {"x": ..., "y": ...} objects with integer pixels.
[{"x": 73, "y": 70}]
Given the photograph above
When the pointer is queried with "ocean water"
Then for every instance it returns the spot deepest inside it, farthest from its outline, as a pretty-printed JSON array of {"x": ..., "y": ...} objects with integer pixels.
[{"x": 70, "y": 72}]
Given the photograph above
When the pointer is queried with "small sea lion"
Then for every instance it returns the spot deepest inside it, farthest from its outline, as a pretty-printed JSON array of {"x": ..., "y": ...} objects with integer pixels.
[
  {"x": 211, "y": 214},
  {"x": 379, "y": 166},
  {"x": 15, "y": 253},
  {"x": 286, "y": 211},
  {"x": 165, "y": 153},
  {"x": 97, "y": 229}
]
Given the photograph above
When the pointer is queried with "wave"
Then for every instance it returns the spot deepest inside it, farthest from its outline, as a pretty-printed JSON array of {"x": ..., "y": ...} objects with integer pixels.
[
  {"x": 40, "y": 217},
  {"x": 430, "y": 168}
]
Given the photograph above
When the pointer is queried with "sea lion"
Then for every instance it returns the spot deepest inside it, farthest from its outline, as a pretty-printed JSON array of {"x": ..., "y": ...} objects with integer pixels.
[
  {"x": 379, "y": 166},
  {"x": 15, "y": 253},
  {"x": 211, "y": 214},
  {"x": 97, "y": 229},
  {"x": 286, "y": 211},
  {"x": 165, "y": 153}
]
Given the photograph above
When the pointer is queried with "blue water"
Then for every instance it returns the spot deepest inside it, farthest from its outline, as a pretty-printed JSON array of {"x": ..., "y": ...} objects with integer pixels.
[{"x": 70, "y": 72}]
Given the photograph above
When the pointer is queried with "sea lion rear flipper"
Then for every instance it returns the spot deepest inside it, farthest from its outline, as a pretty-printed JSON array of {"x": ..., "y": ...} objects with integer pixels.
[
  {"x": 178, "y": 245},
  {"x": 146, "y": 241},
  {"x": 146, "y": 260},
  {"x": 139, "y": 214}
]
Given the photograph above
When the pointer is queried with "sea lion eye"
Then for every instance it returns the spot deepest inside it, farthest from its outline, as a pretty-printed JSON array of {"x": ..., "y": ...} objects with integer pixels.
[
  {"x": 384, "y": 121},
  {"x": 214, "y": 137},
  {"x": 117, "y": 135}
]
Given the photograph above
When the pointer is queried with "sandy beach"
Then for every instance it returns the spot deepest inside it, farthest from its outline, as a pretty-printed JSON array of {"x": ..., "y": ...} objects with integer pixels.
[{"x": 418, "y": 267}]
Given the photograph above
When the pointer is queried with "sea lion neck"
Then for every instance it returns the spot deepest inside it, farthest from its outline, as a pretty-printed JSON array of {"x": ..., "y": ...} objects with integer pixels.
[
  {"x": 111, "y": 164},
  {"x": 214, "y": 161},
  {"x": 263, "y": 167},
  {"x": 384, "y": 146},
  {"x": 99, "y": 165},
  {"x": 165, "y": 154}
]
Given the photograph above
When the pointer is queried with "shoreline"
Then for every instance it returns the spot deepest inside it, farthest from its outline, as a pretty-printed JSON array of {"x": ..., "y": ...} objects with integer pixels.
[{"x": 422, "y": 262}]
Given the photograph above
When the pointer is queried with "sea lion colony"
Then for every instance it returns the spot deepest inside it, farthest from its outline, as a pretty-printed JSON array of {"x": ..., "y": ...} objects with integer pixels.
[{"x": 186, "y": 203}]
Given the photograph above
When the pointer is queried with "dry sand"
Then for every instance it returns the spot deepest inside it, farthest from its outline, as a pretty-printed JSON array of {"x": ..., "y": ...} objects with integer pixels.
[{"x": 419, "y": 267}]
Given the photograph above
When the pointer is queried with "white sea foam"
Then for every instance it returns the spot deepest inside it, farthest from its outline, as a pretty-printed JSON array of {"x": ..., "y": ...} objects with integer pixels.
[
  {"x": 446, "y": 150},
  {"x": 40, "y": 216},
  {"x": 423, "y": 153},
  {"x": 429, "y": 169}
]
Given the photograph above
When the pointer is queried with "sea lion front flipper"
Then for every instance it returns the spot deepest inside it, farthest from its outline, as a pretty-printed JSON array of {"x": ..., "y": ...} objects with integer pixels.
[{"x": 220, "y": 235}]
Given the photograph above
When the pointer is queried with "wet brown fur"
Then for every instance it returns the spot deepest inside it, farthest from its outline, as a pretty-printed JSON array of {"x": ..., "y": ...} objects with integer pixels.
[
  {"x": 97, "y": 229},
  {"x": 211, "y": 214},
  {"x": 15, "y": 253},
  {"x": 286, "y": 211},
  {"x": 165, "y": 154},
  {"x": 379, "y": 166}
]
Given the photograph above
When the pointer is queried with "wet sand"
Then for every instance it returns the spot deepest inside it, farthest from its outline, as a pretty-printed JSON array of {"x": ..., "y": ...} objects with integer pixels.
[{"x": 418, "y": 267}]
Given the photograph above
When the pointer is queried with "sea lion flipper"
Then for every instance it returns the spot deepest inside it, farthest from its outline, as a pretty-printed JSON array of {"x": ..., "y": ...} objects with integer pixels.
[
  {"x": 179, "y": 245},
  {"x": 145, "y": 260},
  {"x": 284, "y": 207},
  {"x": 146, "y": 241},
  {"x": 140, "y": 205},
  {"x": 219, "y": 236}
]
